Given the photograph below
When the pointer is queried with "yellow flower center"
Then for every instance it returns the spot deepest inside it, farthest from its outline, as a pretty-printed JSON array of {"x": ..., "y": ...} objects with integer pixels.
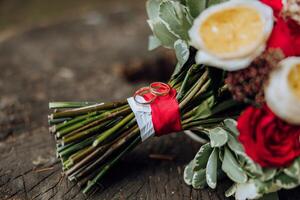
[
  {"x": 232, "y": 30},
  {"x": 294, "y": 79}
]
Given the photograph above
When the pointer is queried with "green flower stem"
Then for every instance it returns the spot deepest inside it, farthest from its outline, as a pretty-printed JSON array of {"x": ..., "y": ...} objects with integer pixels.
[
  {"x": 85, "y": 158},
  {"x": 203, "y": 89},
  {"x": 83, "y": 134},
  {"x": 107, "y": 153},
  {"x": 129, "y": 126},
  {"x": 76, "y": 157},
  {"x": 56, "y": 105},
  {"x": 92, "y": 121},
  {"x": 224, "y": 106},
  {"x": 189, "y": 78},
  {"x": 204, "y": 122},
  {"x": 110, "y": 131},
  {"x": 75, "y": 120},
  {"x": 194, "y": 90},
  {"x": 107, "y": 116},
  {"x": 58, "y": 121},
  {"x": 88, "y": 109},
  {"x": 91, "y": 154},
  {"x": 76, "y": 147},
  {"x": 105, "y": 169},
  {"x": 200, "y": 129}
]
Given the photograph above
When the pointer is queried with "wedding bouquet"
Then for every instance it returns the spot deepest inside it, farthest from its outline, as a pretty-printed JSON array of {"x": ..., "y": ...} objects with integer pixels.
[{"x": 236, "y": 84}]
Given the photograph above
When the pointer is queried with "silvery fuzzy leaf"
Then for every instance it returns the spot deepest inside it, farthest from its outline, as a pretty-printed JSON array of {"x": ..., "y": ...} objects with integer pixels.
[
  {"x": 202, "y": 157},
  {"x": 196, "y": 6},
  {"x": 152, "y": 7},
  {"x": 221, "y": 154},
  {"x": 188, "y": 173},
  {"x": 199, "y": 180},
  {"x": 211, "y": 169},
  {"x": 162, "y": 33},
  {"x": 266, "y": 187},
  {"x": 230, "y": 191},
  {"x": 252, "y": 168},
  {"x": 231, "y": 124},
  {"x": 268, "y": 174},
  {"x": 153, "y": 43},
  {"x": 182, "y": 53},
  {"x": 176, "y": 18},
  {"x": 218, "y": 137},
  {"x": 234, "y": 145},
  {"x": 294, "y": 169},
  {"x": 232, "y": 168},
  {"x": 284, "y": 181}
]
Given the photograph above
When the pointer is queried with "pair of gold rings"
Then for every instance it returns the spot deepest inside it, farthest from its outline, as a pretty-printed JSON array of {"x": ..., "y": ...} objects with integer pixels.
[{"x": 155, "y": 89}]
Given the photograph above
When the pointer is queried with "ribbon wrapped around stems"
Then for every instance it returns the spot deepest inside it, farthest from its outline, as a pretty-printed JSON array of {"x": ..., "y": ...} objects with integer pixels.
[{"x": 156, "y": 110}]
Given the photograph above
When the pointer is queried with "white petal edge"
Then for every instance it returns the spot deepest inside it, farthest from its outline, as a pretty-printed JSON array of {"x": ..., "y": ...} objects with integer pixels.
[
  {"x": 203, "y": 57},
  {"x": 246, "y": 191},
  {"x": 279, "y": 96}
]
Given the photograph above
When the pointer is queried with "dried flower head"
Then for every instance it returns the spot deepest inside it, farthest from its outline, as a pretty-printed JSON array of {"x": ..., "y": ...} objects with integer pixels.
[{"x": 248, "y": 84}]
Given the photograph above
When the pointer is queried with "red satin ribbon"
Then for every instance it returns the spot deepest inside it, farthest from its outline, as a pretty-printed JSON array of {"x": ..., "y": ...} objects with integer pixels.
[{"x": 164, "y": 107}]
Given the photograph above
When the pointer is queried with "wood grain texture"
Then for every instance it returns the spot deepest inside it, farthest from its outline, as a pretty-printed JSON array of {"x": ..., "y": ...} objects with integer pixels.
[{"x": 136, "y": 177}]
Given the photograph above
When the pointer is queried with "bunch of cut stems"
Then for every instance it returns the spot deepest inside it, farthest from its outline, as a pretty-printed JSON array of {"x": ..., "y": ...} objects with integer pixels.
[{"x": 91, "y": 137}]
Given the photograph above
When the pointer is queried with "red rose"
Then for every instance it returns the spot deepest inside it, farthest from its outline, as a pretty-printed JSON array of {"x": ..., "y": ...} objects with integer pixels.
[
  {"x": 286, "y": 33},
  {"x": 267, "y": 139}
]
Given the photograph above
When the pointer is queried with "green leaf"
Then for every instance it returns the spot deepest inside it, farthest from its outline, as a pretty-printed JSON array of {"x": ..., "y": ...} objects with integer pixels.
[
  {"x": 218, "y": 137},
  {"x": 188, "y": 80},
  {"x": 231, "y": 167},
  {"x": 211, "y": 169},
  {"x": 266, "y": 187},
  {"x": 250, "y": 166},
  {"x": 234, "y": 145},
  {"x": 221, "y": 154},
  {"x": 268, "y": 174},
  {"x": 153, "y": 43},
  {"x": 204, "y": 109},
  {"x": 182, "y": 52},
  {"x": 213, "y": 2},
  {"x": 294, "y": 169},
  {"x": 231, "y": 124},
  {"x": 284, "y": 181},
  {"x": 152, "y": 7},
  {"x": 230, "y": 191},
  {"x": 176, "y": 19},
  {"x": 188, "y": 173},
  {"x": 224, "y": 106},
  {"x": 196, "y": 7},
  {"x": 202, "y": 157},
  {"x": 162, "y": 33},
  {"x": 199, "y": 180}
]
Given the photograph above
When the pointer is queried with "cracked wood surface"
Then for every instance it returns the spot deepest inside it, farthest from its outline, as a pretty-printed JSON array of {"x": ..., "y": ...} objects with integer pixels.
[{"x": 79, "y": 59}]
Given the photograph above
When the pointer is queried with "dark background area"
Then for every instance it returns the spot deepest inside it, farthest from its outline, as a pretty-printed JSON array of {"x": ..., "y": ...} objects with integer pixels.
[{"x": 71, "y": 50}]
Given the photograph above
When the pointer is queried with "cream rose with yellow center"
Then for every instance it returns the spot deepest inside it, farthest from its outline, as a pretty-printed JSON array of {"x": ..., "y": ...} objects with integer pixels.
[{"x": 232, "y": 34}]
